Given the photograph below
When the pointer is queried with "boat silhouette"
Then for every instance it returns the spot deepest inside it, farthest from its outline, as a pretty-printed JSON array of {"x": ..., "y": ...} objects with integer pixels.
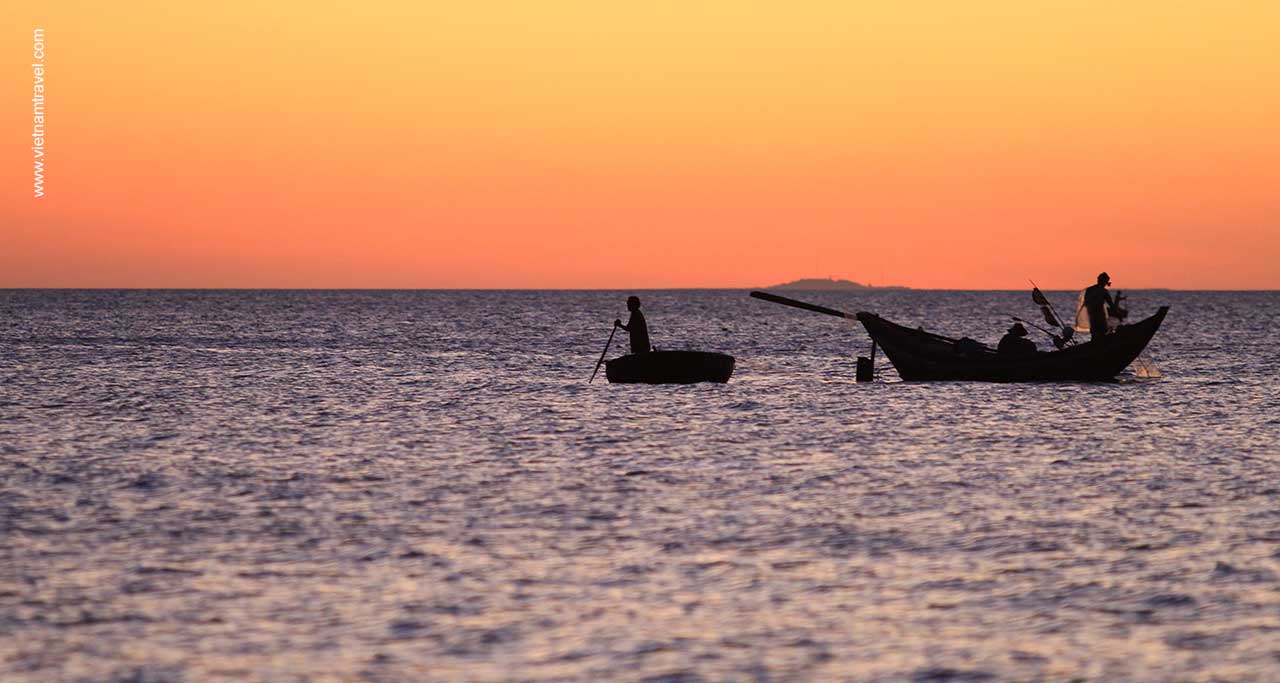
[
  {"x": 918, "y": 355},
  {"x": 669, "y": 367}
]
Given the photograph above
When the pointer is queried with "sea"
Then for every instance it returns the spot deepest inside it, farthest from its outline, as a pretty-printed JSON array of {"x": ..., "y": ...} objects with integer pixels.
[{"x": 394, "y": 486}]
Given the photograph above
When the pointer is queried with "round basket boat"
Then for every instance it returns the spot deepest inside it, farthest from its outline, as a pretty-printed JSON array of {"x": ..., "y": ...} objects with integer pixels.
[{"x": 670, "y": 367}]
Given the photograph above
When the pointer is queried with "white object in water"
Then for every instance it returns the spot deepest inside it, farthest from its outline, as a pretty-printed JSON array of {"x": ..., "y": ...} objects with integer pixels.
[{"x": 1143, "y": 366}]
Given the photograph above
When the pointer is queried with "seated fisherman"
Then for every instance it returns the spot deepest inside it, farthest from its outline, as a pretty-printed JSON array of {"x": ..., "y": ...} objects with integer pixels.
[
  {"x": 1015, "y": 342},
  {"x": 636, "y": 325}
]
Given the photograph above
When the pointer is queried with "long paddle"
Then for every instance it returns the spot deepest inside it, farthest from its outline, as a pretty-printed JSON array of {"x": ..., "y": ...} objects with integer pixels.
[
  {"x": 606, "y": 350},
  {"x": 1020, "y": 320},
  {"x": 801, "y": 304}
]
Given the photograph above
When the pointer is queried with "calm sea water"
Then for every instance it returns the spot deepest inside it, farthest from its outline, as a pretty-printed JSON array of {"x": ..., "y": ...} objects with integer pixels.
[{"x": 421, "y": 486}]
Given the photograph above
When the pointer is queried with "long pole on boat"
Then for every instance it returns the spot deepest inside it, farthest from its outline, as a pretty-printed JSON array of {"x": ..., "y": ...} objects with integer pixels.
[
  {"x": 1035, "y": 290},
  {"x": 1046, "y": 306},
  {"x": 602, "y": 353},
  {"x": 866, "y": 367},
  {"x": 766, "y": 296},
  {"x": 1016, "y": 319}
]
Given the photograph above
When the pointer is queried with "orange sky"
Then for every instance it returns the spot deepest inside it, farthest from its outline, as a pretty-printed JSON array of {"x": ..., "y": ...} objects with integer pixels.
[{"x": 655, "y": 144}]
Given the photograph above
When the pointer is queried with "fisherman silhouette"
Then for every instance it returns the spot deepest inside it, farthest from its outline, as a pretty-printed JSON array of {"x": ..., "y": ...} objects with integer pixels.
[
  {"x": 1096, "y": 302},
  {"x": 1015, "y": 342},
  {"x": 636, "y": 325}
]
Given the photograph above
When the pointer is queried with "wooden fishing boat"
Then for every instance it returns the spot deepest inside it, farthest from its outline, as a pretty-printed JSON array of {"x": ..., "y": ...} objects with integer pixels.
[
  {"x": 670, "y": 367},
  {"x": 920, "y": 355}
]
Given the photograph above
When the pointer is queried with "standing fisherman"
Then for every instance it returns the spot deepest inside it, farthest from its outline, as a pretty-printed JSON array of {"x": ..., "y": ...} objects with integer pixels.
[
  {"x": 636, "y": 325},
  {"x": 1097, "y": 301}
]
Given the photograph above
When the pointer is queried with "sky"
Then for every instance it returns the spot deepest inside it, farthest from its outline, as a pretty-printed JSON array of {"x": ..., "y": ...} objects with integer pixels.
[{"x": 550, "y": 144}]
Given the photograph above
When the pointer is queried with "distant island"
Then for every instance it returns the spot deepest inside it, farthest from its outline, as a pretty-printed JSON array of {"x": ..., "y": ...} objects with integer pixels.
[{"x": 815, "y": 284}]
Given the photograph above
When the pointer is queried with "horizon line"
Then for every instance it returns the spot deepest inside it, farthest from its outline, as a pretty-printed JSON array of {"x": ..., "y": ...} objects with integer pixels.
[{"x": 607, "y": 289}]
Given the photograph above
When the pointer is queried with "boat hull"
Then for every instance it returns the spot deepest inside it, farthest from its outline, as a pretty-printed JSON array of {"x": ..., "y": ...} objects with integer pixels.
[
  {"x": 921, "y": 356},
  {"x": 670, "y": 367}
]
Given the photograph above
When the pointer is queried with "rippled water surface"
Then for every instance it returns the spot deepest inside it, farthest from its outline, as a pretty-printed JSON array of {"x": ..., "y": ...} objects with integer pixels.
[{"x": 421, "y": 486}]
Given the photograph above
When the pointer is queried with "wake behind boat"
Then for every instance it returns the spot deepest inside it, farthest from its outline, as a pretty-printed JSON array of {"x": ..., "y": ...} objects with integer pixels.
[{"x": 923, "y": 356}]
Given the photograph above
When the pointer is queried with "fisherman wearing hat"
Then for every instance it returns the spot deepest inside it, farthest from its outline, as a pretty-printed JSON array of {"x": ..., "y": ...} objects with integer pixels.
[
  {"x": 1015, "y": 342},
  {"x": 1097, "y": 301}
]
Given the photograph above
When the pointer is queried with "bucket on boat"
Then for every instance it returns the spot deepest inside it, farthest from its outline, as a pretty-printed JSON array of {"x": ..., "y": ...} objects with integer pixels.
[{"x": 866, "y": 371}]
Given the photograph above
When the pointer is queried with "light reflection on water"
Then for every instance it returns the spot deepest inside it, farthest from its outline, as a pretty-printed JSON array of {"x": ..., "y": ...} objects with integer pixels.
[{"x": 390, "y": 486}]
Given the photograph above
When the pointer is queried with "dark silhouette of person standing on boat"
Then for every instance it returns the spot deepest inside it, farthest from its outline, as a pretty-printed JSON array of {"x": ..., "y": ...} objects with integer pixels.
[
  {"x": 1015, "y": 342},
  {"x": 1096, "y": 302},
  {"x": 636, "y": 326}
]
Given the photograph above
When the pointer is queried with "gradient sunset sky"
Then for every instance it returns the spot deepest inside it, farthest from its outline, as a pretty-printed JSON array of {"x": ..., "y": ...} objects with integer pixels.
[{"x": 646, "y": 144}]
